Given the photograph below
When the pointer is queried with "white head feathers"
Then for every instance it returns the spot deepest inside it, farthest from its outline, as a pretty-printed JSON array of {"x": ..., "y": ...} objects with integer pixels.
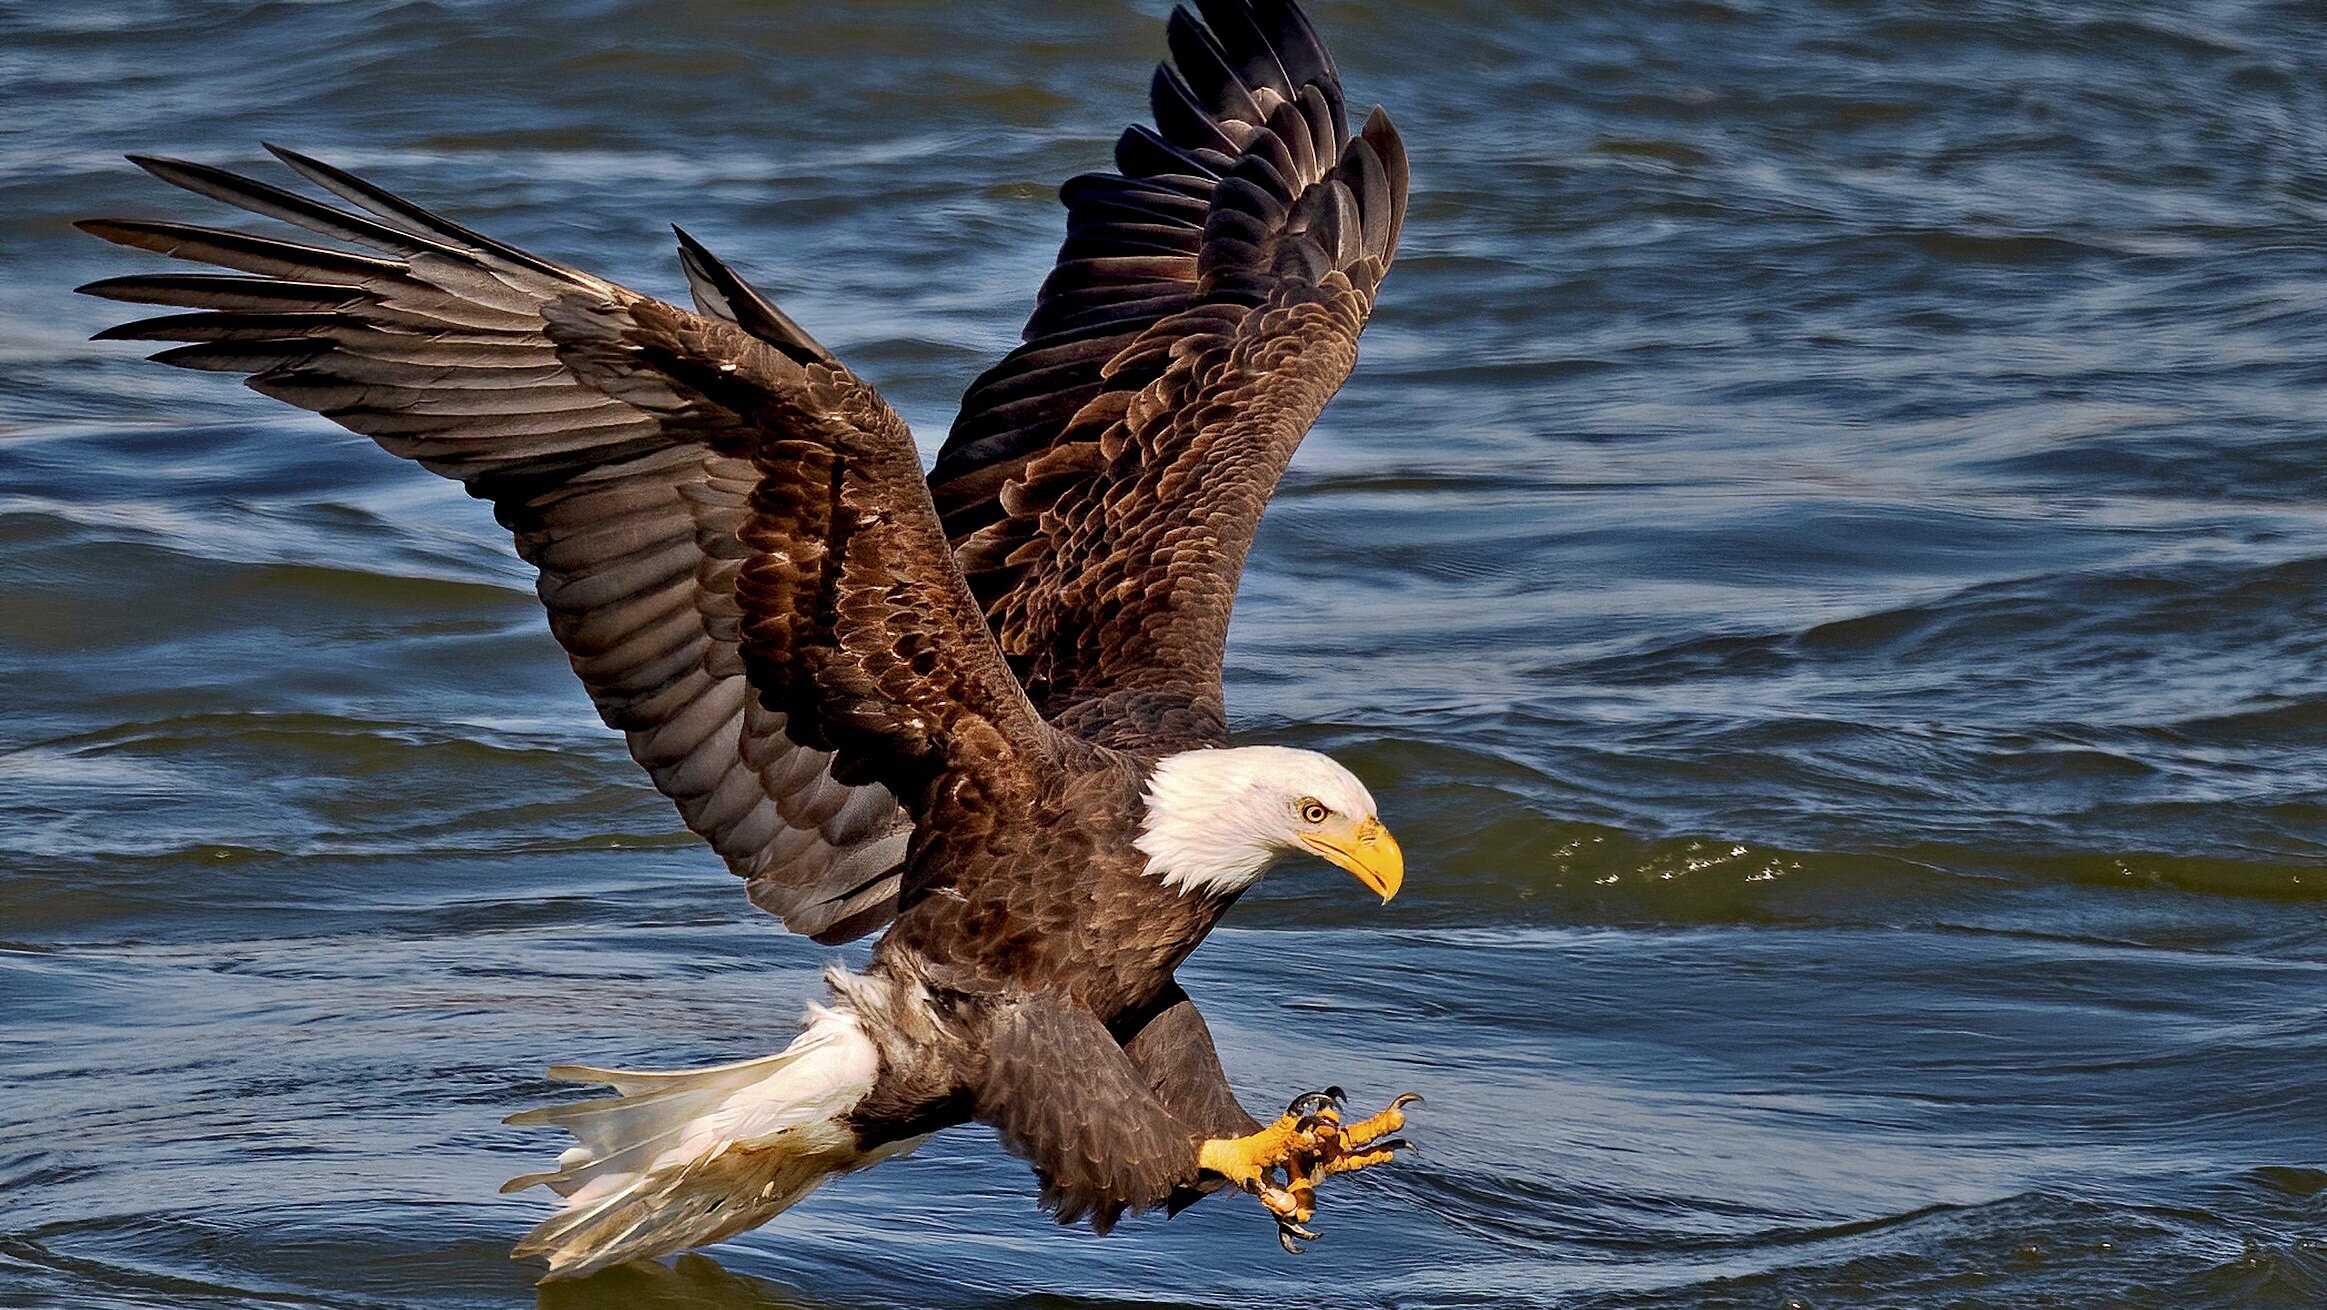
[{"x": 1216, "y": 819}]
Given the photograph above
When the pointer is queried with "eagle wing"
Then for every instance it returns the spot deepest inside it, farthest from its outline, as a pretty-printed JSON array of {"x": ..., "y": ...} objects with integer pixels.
[
  {"x": 1104, "y": 480},
  {"x": 734, "y": 540}
]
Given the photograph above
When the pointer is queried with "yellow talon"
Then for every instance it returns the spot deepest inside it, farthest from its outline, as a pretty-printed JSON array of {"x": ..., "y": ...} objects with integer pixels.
[
  {"x": 1245, "y": 1160},
  {"x": 1302, "y": 1188},
  {"x": 1355, "y": 1161},
  {"x": 1281, "y": 1203},
  {"x": 1381, "y": 1125}
]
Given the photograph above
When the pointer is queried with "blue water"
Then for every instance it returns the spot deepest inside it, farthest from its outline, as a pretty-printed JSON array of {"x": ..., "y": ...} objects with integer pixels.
[{"x": 1824, "y": 562}]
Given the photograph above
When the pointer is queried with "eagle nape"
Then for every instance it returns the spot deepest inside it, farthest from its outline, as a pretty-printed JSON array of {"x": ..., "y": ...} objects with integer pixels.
[{"x": 1282, "y": 1164}]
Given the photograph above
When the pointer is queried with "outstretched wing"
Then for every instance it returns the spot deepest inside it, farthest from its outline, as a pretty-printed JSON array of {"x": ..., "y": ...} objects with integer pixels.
[
  {"x": 1103, "y": 482},
  {"x": 734, "y": 540}
]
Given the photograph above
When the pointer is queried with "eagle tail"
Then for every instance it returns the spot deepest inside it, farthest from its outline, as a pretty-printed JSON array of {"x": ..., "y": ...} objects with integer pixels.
[{"x": 682, "y": 1159}]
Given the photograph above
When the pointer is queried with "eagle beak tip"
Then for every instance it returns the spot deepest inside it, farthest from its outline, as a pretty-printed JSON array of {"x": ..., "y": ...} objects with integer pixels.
[
  {"x": 1374, "y": 858},
  {"x": 1389, "y": 862}
]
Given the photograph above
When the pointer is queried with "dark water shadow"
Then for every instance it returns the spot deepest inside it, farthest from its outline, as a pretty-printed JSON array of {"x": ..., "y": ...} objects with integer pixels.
[
  {"x": 692, "y": 1282},
  {"x": 696, "y": 1281}
]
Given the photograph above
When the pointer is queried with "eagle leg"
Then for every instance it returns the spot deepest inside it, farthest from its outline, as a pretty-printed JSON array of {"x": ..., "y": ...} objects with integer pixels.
[{"x": 1304, "y": 1146}]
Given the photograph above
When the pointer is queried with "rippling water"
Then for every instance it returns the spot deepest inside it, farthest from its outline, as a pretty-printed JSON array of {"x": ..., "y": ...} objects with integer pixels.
[{"x": 1824, "y": 560}]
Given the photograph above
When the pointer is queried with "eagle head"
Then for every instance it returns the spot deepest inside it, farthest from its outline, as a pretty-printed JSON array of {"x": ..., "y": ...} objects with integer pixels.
[{"x": 1217, "y": 819}]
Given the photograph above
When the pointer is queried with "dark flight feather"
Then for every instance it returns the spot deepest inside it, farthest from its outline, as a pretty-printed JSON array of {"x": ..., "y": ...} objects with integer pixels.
[{"x": 722, "y": 293}]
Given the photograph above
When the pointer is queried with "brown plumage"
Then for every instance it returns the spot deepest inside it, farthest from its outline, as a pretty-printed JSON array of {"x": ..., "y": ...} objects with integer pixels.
[{"x": 944, "y": 702}]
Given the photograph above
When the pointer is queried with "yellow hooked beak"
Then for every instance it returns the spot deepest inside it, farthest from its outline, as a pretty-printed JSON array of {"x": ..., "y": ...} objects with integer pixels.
[{"x": 1368, "y": 851}]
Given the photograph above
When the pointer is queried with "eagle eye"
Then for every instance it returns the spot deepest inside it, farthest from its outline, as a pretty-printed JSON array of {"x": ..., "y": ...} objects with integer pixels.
[{"x": 1313, "y": 810}]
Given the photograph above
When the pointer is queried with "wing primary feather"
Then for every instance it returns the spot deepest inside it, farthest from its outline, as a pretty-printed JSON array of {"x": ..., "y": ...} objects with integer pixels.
[
  {"x": 216, "y": 326},
  {"x": 1204, "y": 68},
  {"x": 1300, "y": 52},
  {"x": 222, "y": 291},
  {"x": 722, "y": 291},
  {"x": 1247, "y": 46},
  {"x": 1143, "y": 152},
  {"x": 239, "y": 356},
  {"x": 1181, "y": 117},
  {"x": 410, "y": 217},
  {"x": 238, "y": 250},
  {"x": 274, "y": 202}
]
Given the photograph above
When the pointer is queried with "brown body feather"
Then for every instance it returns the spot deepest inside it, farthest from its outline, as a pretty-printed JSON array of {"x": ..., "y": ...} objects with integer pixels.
[{"x": 872, "y": 704}]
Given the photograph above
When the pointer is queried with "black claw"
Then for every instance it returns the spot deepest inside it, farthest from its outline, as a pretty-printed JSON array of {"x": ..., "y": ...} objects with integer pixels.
[
  {"x": 1287, "y": 1230},
  {"x": 1308, "y": 1123},
  {"x": 1391, "y": 1144},
  {"x": 1337, "y": 1096},
  {"x": 1308, "y": 1105},
  {"x": 1410, "y": 1098}
]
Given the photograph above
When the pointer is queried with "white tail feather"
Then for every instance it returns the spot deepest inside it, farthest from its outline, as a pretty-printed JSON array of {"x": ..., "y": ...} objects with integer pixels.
[{"x": 685, "y": 1158}]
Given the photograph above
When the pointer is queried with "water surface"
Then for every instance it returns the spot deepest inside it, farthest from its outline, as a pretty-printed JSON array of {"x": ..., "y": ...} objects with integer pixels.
[{"x": 1824, "y": 561}]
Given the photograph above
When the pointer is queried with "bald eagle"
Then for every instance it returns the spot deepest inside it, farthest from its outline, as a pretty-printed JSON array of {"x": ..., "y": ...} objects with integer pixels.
[{"x": 979, "y": 706}]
